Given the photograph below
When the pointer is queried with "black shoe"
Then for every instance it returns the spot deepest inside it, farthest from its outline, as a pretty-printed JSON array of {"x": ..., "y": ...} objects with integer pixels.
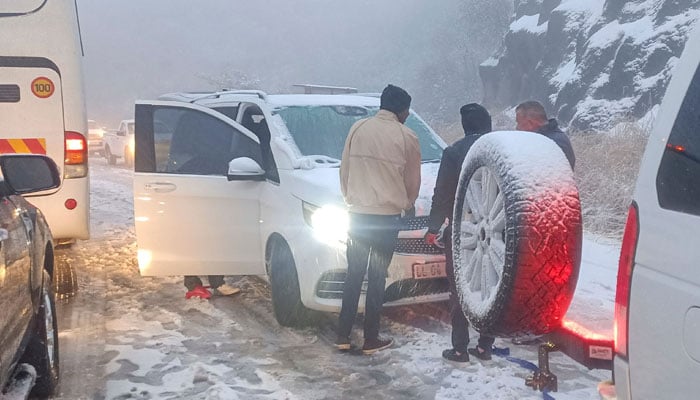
[
  {"x": 374, "y": 345},
  {"x": 343, "y": 343},
  {"x": 454, "y": 355},
  {"x": 481, "y": 354}
]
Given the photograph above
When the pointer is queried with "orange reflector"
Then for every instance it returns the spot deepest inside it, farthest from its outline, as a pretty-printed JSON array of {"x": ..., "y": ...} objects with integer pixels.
[{"x": 71, "y": 204}]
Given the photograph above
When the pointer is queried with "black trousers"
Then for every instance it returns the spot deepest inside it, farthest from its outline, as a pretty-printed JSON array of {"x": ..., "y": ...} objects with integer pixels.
[
  {"x": 192, "y": 281},
  {"x": 371, "y": 243},
  {"x": 460, "y": 324}
]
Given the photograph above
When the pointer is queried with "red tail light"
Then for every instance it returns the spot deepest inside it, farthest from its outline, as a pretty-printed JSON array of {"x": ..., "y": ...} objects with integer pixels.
[
  {"x": 624, "y": 279},
  {"x": 76, "y": 148},
  {"x": 76, "y": 155}
]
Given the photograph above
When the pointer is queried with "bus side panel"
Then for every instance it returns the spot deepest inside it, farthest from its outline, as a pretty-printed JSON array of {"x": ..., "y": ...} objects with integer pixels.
[{"x": 48, "y": 36}]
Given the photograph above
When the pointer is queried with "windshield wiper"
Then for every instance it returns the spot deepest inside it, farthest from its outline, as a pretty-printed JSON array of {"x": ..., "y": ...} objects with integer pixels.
[{"x": 435, "y": 160}]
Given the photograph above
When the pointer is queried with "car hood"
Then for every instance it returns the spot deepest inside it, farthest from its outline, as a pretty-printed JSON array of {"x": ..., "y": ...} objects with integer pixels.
[{"x": 321, "y": 186}]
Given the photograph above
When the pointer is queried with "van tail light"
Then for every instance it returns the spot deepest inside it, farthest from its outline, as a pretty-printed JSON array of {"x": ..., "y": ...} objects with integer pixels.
[
  {"x": 76, "y": 155},
  {"x": 624, "y": 280}
]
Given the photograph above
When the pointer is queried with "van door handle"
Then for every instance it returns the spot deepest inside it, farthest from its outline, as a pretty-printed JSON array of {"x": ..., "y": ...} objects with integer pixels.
[{"x": 160, "y": 187}]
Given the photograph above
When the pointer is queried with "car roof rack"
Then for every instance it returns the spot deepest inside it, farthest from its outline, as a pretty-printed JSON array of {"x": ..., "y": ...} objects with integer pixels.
[
  {"x": 192, "y": 97},
  {"x": 377, "y": 95},
  {"x": 323, "y": 89}
]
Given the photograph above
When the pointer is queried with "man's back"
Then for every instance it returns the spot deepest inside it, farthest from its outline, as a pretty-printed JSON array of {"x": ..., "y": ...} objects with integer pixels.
[{"x": 380, "y": 170}]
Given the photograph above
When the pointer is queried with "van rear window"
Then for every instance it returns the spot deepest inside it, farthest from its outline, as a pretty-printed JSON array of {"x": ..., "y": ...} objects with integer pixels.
[
  {"x": 20, "y": 7},
  {"x": 678, "y": 179}
]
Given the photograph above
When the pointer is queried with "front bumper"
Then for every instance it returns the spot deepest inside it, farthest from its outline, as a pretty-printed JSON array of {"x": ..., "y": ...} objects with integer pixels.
[
  {"x": 95, "y": 145},
  {"x": 323, "y": 276}
]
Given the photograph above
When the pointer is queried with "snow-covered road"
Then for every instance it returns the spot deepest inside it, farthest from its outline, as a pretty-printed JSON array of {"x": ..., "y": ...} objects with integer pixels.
[{"x": 124, "y": 336}]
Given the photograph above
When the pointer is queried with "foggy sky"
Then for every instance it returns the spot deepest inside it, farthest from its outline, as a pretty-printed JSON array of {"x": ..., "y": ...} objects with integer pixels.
[{"x": 136, "y": 49}]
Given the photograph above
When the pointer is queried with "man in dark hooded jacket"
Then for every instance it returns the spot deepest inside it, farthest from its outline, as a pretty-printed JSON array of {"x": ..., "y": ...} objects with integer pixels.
[
  {"x": 476, "y": 121},
  {"x": 530, "y": 116}
]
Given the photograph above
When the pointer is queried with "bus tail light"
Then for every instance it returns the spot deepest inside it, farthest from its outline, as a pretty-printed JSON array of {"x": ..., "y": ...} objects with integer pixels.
[{"x": 75, "y": 164}]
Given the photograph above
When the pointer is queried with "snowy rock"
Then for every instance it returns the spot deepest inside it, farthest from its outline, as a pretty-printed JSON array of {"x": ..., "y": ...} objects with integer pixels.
[{"x": 591, "y": 62}]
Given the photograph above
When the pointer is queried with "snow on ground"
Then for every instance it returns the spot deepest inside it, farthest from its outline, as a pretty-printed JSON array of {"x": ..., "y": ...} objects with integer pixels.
[{"x": 124, "y": 336}]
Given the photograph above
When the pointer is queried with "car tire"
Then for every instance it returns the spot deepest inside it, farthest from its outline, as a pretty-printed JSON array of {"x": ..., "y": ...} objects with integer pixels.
[
  {"x": 111, "y": 158},
  {"x": 284, "y": 282},
  {"x": 42, "y": 350},
  {"x": 517, "y": 235}
]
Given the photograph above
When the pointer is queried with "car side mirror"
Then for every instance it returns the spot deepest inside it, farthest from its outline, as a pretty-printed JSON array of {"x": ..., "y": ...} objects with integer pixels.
[
  {"x": 245, "y": 169},
  {"x": 29, "y": 173}
]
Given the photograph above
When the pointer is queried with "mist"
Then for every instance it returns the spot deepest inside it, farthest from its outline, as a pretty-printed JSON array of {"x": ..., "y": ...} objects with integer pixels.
[{"x": 138, "y": 50}]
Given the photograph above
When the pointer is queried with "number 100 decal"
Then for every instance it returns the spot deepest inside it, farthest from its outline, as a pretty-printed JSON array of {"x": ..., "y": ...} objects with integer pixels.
[{"x": 42, "y": 87}]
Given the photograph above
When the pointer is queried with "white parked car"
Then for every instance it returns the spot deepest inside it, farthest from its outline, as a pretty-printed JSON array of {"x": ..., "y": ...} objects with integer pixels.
[
  {"x": 245, "y": 183},
  {"x": 657, "y": 307},
  {"x": 95, "y": 138},
  {"x": 119, "y": 144}
]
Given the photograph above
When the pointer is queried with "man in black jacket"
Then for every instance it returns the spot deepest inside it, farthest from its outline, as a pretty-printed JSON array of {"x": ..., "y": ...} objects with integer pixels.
[
  {"x": 476, "y": 121},
  {"x": 530, "y": 116}
]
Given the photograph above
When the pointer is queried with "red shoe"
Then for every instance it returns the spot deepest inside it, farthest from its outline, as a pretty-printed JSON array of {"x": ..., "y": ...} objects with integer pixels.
[{"x": 199, "y": 292}]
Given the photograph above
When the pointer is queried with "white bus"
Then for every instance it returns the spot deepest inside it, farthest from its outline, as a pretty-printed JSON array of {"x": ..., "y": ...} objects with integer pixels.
[{"x": 42, "y": 106}]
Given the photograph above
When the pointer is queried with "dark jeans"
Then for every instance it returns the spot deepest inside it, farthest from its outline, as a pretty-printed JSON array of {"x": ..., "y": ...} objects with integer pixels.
[
  {"x": 192, "y": 281},
  {"x": 371, "y": 243},
  {"x": 460, "y": 324}
]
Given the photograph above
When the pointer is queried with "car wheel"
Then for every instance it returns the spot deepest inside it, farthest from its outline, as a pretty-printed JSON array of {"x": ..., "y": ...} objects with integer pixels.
[
  {"x": 111, "y": 159},
  {"x": 517, "y": 234},
  {"x": 286, "y": 298},
  {"x": 42, "y": 350}
]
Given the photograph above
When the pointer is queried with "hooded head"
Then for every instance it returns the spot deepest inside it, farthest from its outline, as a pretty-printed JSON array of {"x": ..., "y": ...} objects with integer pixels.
[
  {"x": 396, "y": 100},
  {"x": 475, "y": 119}
]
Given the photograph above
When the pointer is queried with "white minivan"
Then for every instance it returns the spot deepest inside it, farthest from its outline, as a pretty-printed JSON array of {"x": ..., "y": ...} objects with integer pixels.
[
  {"x": 246, "y": 183},
  {"x": 42, "y": 107},
  {"x": 657, "y": 310}
]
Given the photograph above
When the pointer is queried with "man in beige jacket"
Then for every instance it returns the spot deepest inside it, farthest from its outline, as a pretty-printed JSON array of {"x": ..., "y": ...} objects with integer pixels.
[{"x": 380, "y": 179}]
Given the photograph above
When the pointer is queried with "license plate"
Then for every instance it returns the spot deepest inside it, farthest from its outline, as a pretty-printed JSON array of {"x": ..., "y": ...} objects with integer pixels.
[{"x": 429, "y": 270}]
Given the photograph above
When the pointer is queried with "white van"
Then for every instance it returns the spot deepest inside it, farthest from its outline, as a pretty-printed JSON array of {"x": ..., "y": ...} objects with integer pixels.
[
  {"x": 657, "y": 307},
  {"x": 246, "y": 183},
  {"x": 42, "y": 108}
]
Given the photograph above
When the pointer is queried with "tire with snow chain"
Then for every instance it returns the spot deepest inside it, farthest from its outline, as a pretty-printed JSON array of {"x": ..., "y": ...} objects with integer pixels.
[
  {"x": 284, "y": 282},
  {"x": 42, "y": 350},
  {"x": 516, "y": 234}
]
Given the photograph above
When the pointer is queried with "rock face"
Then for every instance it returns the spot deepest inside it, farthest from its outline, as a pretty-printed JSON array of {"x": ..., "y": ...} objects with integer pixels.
[{"x": 591, "y": 62}]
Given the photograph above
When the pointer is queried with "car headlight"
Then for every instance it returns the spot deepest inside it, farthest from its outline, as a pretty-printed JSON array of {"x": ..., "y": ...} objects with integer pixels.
[
  {"x": 330, "y": 223},
  {"x": 132, "y": 144}
]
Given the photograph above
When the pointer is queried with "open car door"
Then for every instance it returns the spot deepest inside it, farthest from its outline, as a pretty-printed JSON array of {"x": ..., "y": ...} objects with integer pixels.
[{"x": 196, "y": 192}]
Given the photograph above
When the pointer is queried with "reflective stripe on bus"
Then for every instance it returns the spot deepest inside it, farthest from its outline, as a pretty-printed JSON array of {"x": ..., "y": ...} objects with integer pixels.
[{"x": 28, "y": 146}]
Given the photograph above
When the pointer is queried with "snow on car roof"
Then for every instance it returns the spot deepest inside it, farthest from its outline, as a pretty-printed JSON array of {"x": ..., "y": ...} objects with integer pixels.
[{"x": 322, "y": 100}]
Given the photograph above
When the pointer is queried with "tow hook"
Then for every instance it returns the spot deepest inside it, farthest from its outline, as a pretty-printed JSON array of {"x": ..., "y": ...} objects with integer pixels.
[{"x": 544, "y": 379}]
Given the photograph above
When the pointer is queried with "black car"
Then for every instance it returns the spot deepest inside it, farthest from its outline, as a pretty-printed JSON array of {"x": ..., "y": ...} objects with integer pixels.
[{"x": 28, "y": 332}]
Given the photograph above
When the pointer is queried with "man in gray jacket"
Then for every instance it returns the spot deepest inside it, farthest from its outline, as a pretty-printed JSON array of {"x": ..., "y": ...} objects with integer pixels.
[{"x": 380, "y": 179}]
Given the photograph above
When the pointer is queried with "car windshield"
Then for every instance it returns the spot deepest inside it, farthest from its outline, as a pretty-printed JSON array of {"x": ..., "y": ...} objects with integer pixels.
[
  {"x": 322, "y": 130},
  {"x": 130, "y": 127}
]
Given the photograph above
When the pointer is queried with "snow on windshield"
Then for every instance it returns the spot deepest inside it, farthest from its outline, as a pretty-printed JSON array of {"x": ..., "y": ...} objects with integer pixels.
[{"x": 322, "y": 129}]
